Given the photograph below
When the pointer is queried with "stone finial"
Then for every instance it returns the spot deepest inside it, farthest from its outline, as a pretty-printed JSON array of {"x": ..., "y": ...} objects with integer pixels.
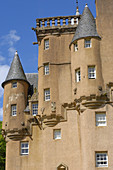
[
  {"x": 29, "y": 97},
  {"x": 77, "y": 11},
  {"x": 86, "y": 5},
  {"x": 16, "y": 53},
  {"x": 35, "y": 90},
  {"x": 86, "y": 26}
]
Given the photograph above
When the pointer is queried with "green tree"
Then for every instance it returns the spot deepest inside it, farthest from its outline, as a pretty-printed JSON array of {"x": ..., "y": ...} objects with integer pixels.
[{"x": 2, "y": 150}]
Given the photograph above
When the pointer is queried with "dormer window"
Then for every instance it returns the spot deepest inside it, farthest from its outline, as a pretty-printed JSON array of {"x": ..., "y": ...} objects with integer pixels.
[
  {"x": 35, "y": 109},
  {"x": 76, "y": 46},
  {"x": 46, "y": 44},
  {"x": 14, "y": 85},
  {"x": 87, "y": 43}
]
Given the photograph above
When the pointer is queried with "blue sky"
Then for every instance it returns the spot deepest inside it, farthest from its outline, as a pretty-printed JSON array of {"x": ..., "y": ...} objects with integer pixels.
[{"x": 16, "y": 20}]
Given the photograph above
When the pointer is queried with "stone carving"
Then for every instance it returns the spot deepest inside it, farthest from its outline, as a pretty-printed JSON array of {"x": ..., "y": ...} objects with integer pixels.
[
  {"x": 53, "y": 106},
  {"x": 100, "y": 88},
  {"x": 42, "y": 110},
  {"x": 75, "y": 90}
]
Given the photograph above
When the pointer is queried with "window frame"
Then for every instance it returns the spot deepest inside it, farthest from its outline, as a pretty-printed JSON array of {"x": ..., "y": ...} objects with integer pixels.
[
  {"x": 46, "y": 69},
  {"x": 76, "y": 46},
  {"x": 100, "y": 123},
  {"x": 47, "y": 96},
  {"x": 101, "y": 159},
  {"x": 92, "y": 72},
  {"x": 77, "y": 75},
  {"x": 87, "y": 43},
  {"x": 46, "y": 44},
  {"x": 54, "y": 134},
  {"x": 34, "y": 109},
  {"x": 13, "y": 110},
  {"x": 24, "y": 148},
  {"x": 14, "y": 84}
]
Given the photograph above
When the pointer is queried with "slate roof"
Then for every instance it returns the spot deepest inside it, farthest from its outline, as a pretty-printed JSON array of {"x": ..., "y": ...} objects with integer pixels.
[
  {"x": 32, "y": 78},
  {"x": 27, "y": 109},
  {"x": 86, "y": 26},
  {"x": 16, "y": 71}
]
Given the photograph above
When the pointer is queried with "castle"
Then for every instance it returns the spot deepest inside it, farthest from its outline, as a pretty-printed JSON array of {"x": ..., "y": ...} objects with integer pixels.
[{"x": 62, "y": 117}]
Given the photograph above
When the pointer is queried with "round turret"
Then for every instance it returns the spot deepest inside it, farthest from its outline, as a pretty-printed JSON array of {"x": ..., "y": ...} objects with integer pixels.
[
  {"x": 15, "y": 99},
  {"x": 85, "y": 58}
]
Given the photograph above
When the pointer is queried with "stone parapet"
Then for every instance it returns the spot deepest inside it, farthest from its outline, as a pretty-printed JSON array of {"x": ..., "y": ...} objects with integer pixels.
[
  {"x": 60, "y": 21},
  {"x": 55, "y": 25}
]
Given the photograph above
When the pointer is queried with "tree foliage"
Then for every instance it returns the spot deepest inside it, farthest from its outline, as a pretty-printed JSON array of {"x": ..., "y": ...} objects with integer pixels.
[{"x": 2, "y": 150}]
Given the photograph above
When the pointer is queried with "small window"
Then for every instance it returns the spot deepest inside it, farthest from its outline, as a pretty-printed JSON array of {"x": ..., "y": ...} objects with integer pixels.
[
  {"x": 91, "y": 72},
  {"x": 101, "y": 159},
  {"x": 76, "y": 46},
  {"x": 13, "y": 110},
  {"x": 101, "y": 119},
  {"x": 35, "y": 109},
  {"x": 47, "y": 94},
  {"x": 14, "y": 84},
  {"x": 62, "y": 167},
  {"x": 88, "y": 43},
  {"x": 46, "y": 44},
  {"x": 78, "y": 75},
  {"x": 57, "y": 133},
  {"x": 46, "y": 69},
  {"x": 24, "y": 148}
]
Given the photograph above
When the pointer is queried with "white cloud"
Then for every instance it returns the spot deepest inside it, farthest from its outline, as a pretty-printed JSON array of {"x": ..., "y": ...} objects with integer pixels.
[
  {"x": 9, "y": 40},
  {"x": 13, "y": 36},
  {"x": 1, "y": 113},
  {"x": 3, "y": 73},
  {"x": 2, "y": 58},
  {"x": 11, "y": 51}
]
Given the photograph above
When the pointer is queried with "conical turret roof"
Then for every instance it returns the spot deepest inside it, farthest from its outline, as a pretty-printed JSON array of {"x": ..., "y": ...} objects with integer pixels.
[
  {"x": 86, "y": 26},
  {"x": 16, "y": 71}
]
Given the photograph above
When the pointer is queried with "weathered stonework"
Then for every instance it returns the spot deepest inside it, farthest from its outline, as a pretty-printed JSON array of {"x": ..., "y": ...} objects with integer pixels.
[{"x": 72, "y": 104}]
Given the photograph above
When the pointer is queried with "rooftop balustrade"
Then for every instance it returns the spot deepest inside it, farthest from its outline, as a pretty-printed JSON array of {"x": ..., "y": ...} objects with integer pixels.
[
  {"x": 55, "y": 26},
  {"x": 60, "y": 21}
]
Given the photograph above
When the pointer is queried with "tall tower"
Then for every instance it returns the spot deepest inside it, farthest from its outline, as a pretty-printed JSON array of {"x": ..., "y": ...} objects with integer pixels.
[
  {"x": 15, "y": 101},
  {"x": 54, "y": 65},
  {"x": 85, "y": 57},
  {"x": 68, "y": 124},
  {"x": 104, "y": 20},
  {"x": 15, "y": 95}
]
